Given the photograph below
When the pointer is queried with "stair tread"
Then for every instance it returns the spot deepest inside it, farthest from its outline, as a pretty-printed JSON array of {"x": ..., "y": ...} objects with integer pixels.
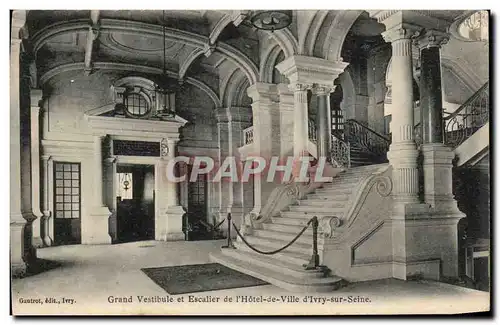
[
  {"x": 283, "y": 233},
  {"x": 270, "y": 260},
  {"x": 251, "y": 270},
  {"x": 279, "y": 242},
  {"x": 285, "y": 252}
]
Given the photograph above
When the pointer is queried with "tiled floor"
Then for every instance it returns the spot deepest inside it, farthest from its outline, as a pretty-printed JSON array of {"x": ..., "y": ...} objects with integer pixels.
[{"x": 91, "y": 274}]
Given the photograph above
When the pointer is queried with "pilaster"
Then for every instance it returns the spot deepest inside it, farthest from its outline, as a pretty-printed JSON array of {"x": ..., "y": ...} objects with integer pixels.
[
  {"x": 174, "y": 211},
  {"x": 36, "y": 99},
  {"x": 100, "y": 213}
]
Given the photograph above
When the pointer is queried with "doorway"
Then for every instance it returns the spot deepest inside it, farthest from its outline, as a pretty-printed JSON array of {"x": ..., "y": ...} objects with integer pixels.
[
  {"x": 67, "y": 207},
  {"x": 135, "y": 202},
  {"x": 196, "y": 225}
]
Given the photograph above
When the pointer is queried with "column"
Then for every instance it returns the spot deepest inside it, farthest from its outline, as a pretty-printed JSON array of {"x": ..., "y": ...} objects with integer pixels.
[
  {"x": 98, "y": 227},
  {"x": 36, "y": 98},
  {"x": 47, "y": 219},
  {"x": 424, "y": 241},
  {"x": 175, "y": 211},
  {"x": 402, "y": 153},
  {"x": 323, "y": 122},
  {"x": 110, "y": 193},
  {"x": 21, "y": 251},
  {"x": 231, "y": 122},
  {"x": 266, "y": 142},
  {"x": 301, "y": 118}
]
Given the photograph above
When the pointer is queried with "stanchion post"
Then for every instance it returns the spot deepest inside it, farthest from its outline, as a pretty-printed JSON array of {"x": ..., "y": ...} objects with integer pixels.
[
  {"x": 229, "y": 240},
  {"x": 314, "y": 262}
]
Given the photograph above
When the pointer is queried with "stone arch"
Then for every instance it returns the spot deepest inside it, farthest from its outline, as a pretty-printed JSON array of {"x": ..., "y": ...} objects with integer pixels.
[
  {"x": 336, "y": 32},
  {"x": 348, "y": 103},
  {"x": 268, "y": 63},
  {"x": 235, "y": 86}
]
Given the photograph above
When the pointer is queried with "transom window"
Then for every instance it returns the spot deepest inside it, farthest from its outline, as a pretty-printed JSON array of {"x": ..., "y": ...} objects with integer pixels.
[{"x": 136, "y": 104}]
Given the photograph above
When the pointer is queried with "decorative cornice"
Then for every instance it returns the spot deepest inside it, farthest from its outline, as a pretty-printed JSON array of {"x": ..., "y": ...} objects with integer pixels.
[
  {"x": 311, "y": 70},
  {"x": 128, "y": 67},
  {"x": 263, "y": 92},
  {"x": 431, "y": 38},
  {"x": 321, "y": 90}
]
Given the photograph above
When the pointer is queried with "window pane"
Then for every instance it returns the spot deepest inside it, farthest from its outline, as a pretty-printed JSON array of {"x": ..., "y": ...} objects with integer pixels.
[
  {"x": 75, "y": 191},
  {"x": 59, "y": 167},
  {"x": 67, "y": 190},
  {"x": 59, "y": 206},
  {"x": 74, "y": 175},
  {"x": 67, "y": 183},
  {"x": 75, "y": 206},
  {"x": 59, "y": 183},
  {"x": 59, "y": 214},
  {"x": 75, "y": 183},
  {"x": 76, "y": 199},
  {"x": 59, "y": 175},
  {"x": 75, "y": 167},
  {"x": 67, "y": 167},
  {"x": 67, "y": 214},
  {"x": 59, "y": 190},
  {"x": 59, "y": 198},
  {"x": 75, "y": 214},
  {"x": 67, "y": 206},
  {"x": 67, "y": 198}
]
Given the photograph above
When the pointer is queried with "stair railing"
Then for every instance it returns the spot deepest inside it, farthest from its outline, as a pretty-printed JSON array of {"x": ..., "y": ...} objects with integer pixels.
[
  {"x": 468, "y": 118},
  {"x": 341, "y": 152},
  {"x": 311, "y": 130},
  {"x": 313, "y": 262},
  {"x": 366, "y": 138}
]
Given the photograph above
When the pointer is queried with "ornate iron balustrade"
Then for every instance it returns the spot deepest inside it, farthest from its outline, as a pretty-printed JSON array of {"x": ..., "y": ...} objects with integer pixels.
[
  {"x": 248, "y": 135},
  {"x": 311, "y": 130},
  {"x": 468, "y": 118},
  {"x": 366, "y": 138},
  {"x": 341, "y": 152}
]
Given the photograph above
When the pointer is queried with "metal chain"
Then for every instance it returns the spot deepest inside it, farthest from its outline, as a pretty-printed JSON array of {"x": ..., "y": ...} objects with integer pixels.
[{"x": 277, "y": 250}]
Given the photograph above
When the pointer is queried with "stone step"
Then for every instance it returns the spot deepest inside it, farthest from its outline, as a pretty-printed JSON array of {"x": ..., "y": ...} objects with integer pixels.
[
  {"x": 286, "y": 256},
  {"x": 305, "y": 238},
  {"x": 273, "y": 244},
  {"x": 294, "y": 229},
  {"x": 275, "y": 264},
  {"x": 326, "y": 196},
  {"x": 311, "y": 209},
  {"x": 334, "y": 190},
  {"x": 326, "y": 202},
  {"x": 304, "y": 215},
  {"x": 280, "y": 279}
]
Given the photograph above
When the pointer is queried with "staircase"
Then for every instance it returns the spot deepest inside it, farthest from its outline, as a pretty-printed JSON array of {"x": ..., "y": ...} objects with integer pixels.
[{"x": 284, "y": 269}]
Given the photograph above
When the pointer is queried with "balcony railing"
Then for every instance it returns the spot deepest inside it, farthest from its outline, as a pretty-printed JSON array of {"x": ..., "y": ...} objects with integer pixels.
[{"x": 248, "y": 135}]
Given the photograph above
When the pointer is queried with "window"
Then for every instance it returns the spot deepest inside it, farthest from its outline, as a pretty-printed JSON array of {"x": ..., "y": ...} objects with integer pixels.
[
  {"x": 475, "y": 27},
  {"x": 67, "y": 190},
  {"x": 136, "y": 105}
]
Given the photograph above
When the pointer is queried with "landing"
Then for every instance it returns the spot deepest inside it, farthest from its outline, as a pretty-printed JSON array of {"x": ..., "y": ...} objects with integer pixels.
[{"x": 91, "y": 274}]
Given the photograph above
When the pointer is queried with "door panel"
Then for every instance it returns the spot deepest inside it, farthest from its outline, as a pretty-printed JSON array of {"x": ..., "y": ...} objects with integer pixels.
[{"x": 67, "y": 203}]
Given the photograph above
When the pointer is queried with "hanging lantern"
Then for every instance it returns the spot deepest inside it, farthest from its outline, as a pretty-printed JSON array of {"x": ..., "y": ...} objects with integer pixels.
[
  {"x": 126, "y": 182},
  {"x": 271, "y": 19}
]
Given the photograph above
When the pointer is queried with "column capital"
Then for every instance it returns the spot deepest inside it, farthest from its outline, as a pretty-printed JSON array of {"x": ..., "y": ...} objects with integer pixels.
[
  {"x": 46, "y": 157},
  {"x": 300, "y": 87},
  {"x": 310, "y": 70},
  {"x": 401, "y": 31},
  {"x": 18, "y": 23},
  {"x": 262, "y": 91},
  {"x": 322, "y": 89},
  {"x": 431, "y": 38},
  {"x": 36, "y": 97}
]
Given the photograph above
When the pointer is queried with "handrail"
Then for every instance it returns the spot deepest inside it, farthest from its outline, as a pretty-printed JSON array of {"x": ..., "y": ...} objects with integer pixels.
[
  {"x": 468, "y": 118},
  {"x": 313, "y": 263},
  {"x": 478, "y": 93},
  {"x": 366, "y": 138},
  {"x": 370, "y": 130}
]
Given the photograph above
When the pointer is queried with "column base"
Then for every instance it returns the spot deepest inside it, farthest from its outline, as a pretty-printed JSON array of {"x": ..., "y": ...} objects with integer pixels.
[
  {"x": 48, "y": 228},
  {"x": 95, "y": 230},
  {"x": 22, "y": 253},
  {"x": 170, "y": 224},
  {"x": 37, "y": 240},
  {"x": 424, "y": 243}
]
